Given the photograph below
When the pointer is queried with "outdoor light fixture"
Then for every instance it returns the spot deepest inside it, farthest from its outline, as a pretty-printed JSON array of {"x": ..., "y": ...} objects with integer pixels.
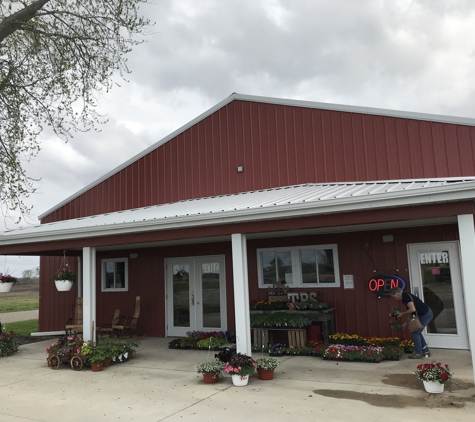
[{"x": 240, "y": 169}]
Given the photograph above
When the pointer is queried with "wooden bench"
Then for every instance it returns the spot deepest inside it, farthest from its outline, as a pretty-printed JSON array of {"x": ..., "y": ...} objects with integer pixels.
[{"x": 297, "y": 337}]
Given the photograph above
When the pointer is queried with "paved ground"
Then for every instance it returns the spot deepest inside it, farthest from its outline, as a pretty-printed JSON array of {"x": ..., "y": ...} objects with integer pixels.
[
  {"x": 160, "y": 384},
  {"x": 18, "y": 316}
]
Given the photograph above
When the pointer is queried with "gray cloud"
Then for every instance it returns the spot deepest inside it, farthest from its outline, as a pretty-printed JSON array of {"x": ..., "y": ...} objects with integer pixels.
[{"x": 415, "y": 55}]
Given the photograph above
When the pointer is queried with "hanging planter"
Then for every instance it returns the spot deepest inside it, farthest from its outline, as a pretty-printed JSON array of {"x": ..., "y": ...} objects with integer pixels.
[
  {"x": 63, "y": 285},
  {"x": 6, "y": 283},
  {"x": 64, "y": 277}
]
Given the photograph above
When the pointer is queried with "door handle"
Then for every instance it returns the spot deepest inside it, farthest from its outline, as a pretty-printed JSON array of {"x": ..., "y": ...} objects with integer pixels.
[
  {"x": 416, "y": 291},
  {"x": 192, "y": 299}
]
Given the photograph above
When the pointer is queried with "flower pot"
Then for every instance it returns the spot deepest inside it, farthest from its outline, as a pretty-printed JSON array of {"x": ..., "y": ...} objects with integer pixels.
[
  {"x": 130, "y": 355},
  {"x": 63, "y": 285},
  {"x": 224, "y": 374},
  {"x": 265, "y": 374},
  {"x": 209, "y": 378},
  {"x": 96, "y": 367},
  {"x": 107, "y": 362},
  {"x": 434, "y": 387},
  {"x": 240, "y": 381},
  {"x": 5, "y": 287}
]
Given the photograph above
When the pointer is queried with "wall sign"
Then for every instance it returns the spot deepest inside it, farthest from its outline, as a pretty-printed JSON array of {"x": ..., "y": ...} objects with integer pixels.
[{"x": 381, "y": 284}]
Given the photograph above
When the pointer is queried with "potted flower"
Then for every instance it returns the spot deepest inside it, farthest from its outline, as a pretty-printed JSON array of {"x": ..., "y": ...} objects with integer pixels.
[
  {"x": 225, "y": 356},
  {"x": 7, "y": 282},
  {"x": 265, "y": 368},
  {"x": 210, "y": 371},
  {"x": 96, "y": 358},
  {"x": 64, "y": 279},
  {"x": 433, "y": 375},
  {"x": 240, "y": 366}
]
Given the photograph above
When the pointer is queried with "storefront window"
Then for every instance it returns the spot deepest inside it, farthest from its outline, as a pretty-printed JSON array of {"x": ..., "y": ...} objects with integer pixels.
[{"x": 299, "y": 266}]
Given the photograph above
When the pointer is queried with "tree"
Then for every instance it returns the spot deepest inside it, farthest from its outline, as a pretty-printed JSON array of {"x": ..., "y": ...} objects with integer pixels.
[{"x": 56, "y": 58}]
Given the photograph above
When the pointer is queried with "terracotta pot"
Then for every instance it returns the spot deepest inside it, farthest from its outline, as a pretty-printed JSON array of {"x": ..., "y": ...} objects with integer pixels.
[
  {"x": 130, "y": 355},
  {"x": 210, "y": 378},
  {"x": 265, "y": 374},
  {"x": 96, "y": 367},
  {"x": 107, "y": 362}
]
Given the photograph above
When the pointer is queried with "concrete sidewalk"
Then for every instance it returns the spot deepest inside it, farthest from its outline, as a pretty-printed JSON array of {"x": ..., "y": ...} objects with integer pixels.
[
  {"x": 18, "y": 316},
  {"x": 160, "y": 384}
]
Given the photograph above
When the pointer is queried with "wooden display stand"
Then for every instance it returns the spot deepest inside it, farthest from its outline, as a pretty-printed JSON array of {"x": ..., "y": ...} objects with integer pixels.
[{"x": 297, "y": 337}]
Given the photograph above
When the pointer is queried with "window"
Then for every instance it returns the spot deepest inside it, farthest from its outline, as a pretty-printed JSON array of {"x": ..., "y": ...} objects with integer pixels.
[
  {"x": 115, "y": 275},
  {"x": 299, "y": 266}
]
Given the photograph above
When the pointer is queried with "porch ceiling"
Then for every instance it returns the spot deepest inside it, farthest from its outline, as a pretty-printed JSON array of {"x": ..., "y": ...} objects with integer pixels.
[{"x": 271, "y": 204}]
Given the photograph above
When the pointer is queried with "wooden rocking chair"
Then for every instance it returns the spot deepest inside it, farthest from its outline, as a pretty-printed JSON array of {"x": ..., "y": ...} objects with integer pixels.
[
  {"x": 107, "y": 328},
  {"x": 128, "y": 325},
  {"x": 74, "y": 323}
]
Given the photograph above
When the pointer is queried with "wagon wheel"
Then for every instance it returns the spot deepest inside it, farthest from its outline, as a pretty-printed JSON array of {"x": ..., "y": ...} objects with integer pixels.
[
  {"x": 76, "y": 363},
  {"x": 54, "y": 362}
]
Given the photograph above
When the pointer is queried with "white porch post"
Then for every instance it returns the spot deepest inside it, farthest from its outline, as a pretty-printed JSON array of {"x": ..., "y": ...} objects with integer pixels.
[
  {"x": 89, "y": 293},
  {"x": 467, "y": 250},
  {"x": 79, "y": 276},
  {"x": 241, "y": 294}
]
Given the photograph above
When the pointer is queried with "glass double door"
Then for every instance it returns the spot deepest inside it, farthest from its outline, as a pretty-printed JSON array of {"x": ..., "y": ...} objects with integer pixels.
[
  {"x": 436, "y": 279},
  {"x": 196, "y": 295}
]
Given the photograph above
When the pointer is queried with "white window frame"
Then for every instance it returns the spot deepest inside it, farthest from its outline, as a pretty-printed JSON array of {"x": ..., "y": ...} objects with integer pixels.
[
  {"x": 126, "y": 275},
  {"x": 297, "y": 267}
]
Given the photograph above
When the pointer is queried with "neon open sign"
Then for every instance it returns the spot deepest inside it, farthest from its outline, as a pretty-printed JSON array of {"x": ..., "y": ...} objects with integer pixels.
[{"x": 381, "y": 284}]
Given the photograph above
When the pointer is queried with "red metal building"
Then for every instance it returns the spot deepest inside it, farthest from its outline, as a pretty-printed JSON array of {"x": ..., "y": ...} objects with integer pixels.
[{"x": 260, "y": 189}]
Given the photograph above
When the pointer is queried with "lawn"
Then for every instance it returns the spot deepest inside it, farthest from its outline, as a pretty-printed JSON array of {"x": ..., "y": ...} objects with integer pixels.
[
  {"x": 16, "y": 304},
  {"x": 22, "y": 328}
]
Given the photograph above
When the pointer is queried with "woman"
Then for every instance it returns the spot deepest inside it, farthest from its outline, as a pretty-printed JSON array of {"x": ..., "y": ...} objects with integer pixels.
[{"x": 413, "y": 304}]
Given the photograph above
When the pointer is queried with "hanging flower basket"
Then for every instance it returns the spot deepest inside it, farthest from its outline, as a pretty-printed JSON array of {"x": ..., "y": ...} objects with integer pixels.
[
  {"x": 64, "y": 278},
  {"x": 6, "y": 283},
  {"x": 63, "y": 285}
]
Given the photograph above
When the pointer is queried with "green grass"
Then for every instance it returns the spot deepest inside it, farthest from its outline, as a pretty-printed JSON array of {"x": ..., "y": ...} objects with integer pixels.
[
  {"x": 16, "y": 304},
  {"x": 22, "y": 328}
]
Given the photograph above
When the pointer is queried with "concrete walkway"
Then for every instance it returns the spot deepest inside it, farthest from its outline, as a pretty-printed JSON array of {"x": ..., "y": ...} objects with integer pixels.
[
  {"x": 160, "y": 384},
  {"x": 18, "y": 316}
]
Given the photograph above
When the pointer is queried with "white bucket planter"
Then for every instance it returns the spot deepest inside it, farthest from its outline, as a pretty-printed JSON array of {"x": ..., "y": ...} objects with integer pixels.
[
  {"x": 5, "y": 287},
  {"x": 434, "y": 387},
  {"x": 240, "y": 381},
  {"x": 63, "y": 285}
]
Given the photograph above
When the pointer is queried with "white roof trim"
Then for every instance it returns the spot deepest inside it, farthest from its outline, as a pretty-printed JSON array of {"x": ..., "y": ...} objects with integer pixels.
[
  {"x": 268, "y": 100},
  {"x": 270, "y": 204}
]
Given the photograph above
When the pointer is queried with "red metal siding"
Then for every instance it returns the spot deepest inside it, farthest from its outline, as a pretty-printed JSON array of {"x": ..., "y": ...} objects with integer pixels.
[{"x": 278, "y": 146}]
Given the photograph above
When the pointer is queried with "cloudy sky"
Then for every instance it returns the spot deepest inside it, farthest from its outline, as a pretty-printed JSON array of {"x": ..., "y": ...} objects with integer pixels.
[{"x": 413, "y": 55}]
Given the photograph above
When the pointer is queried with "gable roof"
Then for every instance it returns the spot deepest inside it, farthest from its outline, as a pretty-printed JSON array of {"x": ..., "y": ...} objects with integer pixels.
[
  {"x": 266, "y": 100},
  {"x": 284, "y": 202}
]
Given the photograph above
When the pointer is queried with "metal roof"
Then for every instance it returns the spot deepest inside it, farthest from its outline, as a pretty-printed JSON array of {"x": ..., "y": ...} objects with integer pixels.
[
  {"x": 269, "y": 100},
  {"x": 283, "y": 202}
]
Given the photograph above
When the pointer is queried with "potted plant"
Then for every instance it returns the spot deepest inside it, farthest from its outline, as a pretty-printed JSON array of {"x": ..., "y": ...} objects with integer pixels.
[
  {"x": 96, "y": 358},
  {"x": 225, "y": 356},
  {"x": 7, "y": 282},
  {"x": 265, "y": 368},
  {"x": 64, "y": 279},
  {"x": 210, "y": 371},
  {"x": 433, "y": 375},
  {"x": 240, "y": 366},
  {"x": 276, "y": 349}
]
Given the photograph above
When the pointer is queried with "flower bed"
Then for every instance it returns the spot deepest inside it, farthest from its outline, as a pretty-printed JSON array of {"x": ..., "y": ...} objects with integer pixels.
[
  {"x": 204, "y": 340},
  {"x": 354, "y": 353}
]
